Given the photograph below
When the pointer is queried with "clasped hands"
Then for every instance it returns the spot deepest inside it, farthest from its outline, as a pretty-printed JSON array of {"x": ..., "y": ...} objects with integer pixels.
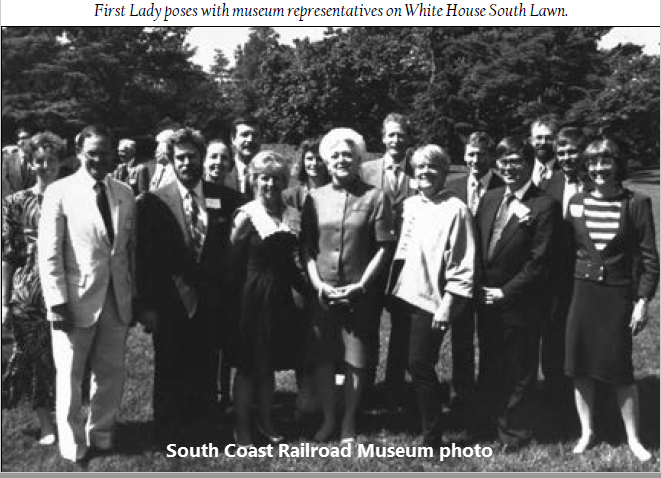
[{"x": 329, "y": 295}]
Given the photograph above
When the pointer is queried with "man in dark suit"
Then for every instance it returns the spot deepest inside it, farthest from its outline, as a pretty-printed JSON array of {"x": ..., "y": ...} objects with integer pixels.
[
  {"x": 394, "y": 175},
  {"x": 566, "y": 182},
  {"x": 246, "y": 136},
  {"x": 515, "y": 227},
  {"x": 470, "y": 188},
  {"x": 542, "y": 139},
  {"x": 184, "y": 284}
]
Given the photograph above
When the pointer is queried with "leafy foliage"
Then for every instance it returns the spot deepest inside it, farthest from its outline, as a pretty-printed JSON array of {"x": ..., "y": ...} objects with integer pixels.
[{"x": 450, "y": 81}]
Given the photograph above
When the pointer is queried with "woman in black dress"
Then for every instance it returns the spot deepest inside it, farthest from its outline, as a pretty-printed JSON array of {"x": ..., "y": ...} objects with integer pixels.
[
  {"x": 616, "y": 275},
  {"x": 269, "y": 334},
  {"x": 30, "y": 372}
]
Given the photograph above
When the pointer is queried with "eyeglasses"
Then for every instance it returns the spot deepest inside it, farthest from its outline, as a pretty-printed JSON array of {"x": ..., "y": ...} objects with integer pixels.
[{"x": 97, "y": 155}]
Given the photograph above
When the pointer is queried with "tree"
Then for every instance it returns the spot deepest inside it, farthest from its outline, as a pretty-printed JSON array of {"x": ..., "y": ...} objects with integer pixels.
[
  {"x": 625, "y": 104},
  {"x": 127, "y": 78}
]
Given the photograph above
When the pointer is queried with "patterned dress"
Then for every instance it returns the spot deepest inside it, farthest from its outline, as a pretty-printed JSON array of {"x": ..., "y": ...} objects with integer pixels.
[{"x": 30, "y": 372}]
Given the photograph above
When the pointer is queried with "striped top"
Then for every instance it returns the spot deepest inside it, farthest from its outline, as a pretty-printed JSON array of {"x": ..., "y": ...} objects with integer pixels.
[{"x": 602, "y": 219}]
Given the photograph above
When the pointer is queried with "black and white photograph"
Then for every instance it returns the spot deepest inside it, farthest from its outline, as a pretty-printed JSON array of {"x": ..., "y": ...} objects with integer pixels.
[{"x": 336, "y": 249}]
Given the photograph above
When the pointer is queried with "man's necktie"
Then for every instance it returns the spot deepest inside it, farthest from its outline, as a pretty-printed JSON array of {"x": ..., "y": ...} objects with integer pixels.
[
  {"x": 395, "y": 174},
  {"x": 475, "y": 197},
  {"x": 543, "y": 174},
  {"x": 104, "y": 208},
  {"x": 192, "y": 211},
  {"x": 502, "y": 218}
]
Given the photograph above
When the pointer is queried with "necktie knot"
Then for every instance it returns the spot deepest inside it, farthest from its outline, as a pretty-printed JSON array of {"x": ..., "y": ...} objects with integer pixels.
[{"x": 99, "y": 186}]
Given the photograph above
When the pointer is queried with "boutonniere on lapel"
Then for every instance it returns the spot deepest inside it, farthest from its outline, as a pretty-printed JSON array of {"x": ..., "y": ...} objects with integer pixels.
[{"x": 522, "y": 213}]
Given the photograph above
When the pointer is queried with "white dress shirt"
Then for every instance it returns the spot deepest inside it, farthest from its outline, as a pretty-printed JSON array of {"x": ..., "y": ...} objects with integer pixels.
[
  {"x": 472, "y": 184},
  {"x": 542, "y": 171}
]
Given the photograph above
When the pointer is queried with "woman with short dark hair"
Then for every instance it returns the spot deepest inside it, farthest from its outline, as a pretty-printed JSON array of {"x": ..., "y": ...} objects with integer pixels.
[{"x": 614, "y": 235}]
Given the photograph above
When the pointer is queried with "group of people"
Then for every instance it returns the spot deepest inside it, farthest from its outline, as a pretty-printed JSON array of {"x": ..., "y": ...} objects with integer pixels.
[{"x": 538, "y": 253}]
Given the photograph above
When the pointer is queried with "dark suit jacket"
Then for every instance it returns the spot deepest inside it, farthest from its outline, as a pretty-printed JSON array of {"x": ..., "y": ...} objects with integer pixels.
[
  {"x": 374, "y": 173},
  {"x": 562, "y": 272},
  {"x": 631, "y": 257},
  {"x": 459, "y": 186},
  {"x": 135, "y": 175},
  {"x": 163, "y": 252},
  {"x": 521, "y": 259}
]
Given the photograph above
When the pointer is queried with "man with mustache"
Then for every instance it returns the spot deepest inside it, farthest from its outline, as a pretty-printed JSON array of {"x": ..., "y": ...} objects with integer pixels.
[
  {"x": 542, "y": 139},
  {"x": 566, "y": 182},
  {"x": 246, "y": 139},
  {"x": 183, "y": 278}
]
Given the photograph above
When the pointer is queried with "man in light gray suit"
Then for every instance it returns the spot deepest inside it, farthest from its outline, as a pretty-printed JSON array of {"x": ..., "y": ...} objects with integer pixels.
[{"x": 86, "y": 262}]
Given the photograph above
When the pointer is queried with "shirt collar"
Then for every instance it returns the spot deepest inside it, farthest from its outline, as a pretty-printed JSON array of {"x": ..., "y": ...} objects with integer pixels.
[
  {"x": 389, "y": 162},
  {"x": 484, "y": 180},
  {"x": 549, "y": 164},
  {"x": 519, "y": 193},
  {"x": 183, "y": 190},
  {"x": 436, "y": 198},
  {"x": 89, "y": 180}
]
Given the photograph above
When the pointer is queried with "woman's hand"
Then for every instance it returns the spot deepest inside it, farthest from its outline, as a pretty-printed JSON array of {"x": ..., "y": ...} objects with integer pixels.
[
  {"x": 441, "y": 320},
  {"x": 349, "y": 292},
  {"x": 638, "y": 317}
]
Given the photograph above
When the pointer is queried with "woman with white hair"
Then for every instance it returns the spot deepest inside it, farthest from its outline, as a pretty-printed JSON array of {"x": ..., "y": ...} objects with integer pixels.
[
  {"x": 347, "y": 231},
  {"x": 268, "y": 336},
  {"x": 432, "y": 276}
]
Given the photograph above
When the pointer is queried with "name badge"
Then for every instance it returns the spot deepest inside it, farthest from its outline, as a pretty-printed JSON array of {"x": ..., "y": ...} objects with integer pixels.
[
  {"x": 212, "y": 203},
  {"x": 576, "y": 210}
]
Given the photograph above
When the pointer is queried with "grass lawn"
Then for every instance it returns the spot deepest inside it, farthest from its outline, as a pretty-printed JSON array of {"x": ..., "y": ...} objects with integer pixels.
[{"x": 551, "y": 451}]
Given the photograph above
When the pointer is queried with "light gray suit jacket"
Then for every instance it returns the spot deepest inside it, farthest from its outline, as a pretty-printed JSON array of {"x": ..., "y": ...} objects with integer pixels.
[{"x": 76, "y": 259}]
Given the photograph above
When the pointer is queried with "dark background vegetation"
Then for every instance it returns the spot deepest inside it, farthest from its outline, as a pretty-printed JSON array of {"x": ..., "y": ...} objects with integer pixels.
[{"x": 450, "y": 81}]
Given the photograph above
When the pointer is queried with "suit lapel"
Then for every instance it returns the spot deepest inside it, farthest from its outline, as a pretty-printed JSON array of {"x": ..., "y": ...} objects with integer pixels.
[
  {"x": 171, "y": 196},
  {"x": 506, "y": 236},
  {"x": 87, "y": 200},
  {"x": 488, "y": 213},
  {"x": 116, "y": 212},
  {"x": 513, "y": 223}
]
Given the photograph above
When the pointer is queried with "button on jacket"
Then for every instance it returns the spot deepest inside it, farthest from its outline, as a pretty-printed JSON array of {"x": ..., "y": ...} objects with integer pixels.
[{"x": 342, "y": 229}]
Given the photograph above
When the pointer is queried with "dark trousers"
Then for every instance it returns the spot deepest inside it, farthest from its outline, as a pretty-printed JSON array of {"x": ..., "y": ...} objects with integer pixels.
[
  {"x": 508, "y": 372},
  {"x": 398, "y": 347},
  {"x": 556, "y": 384},
  {"x": 424, "y": 347},
  {"x": 463, "y": 355},
  {"x": 185, "y": 371}
]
